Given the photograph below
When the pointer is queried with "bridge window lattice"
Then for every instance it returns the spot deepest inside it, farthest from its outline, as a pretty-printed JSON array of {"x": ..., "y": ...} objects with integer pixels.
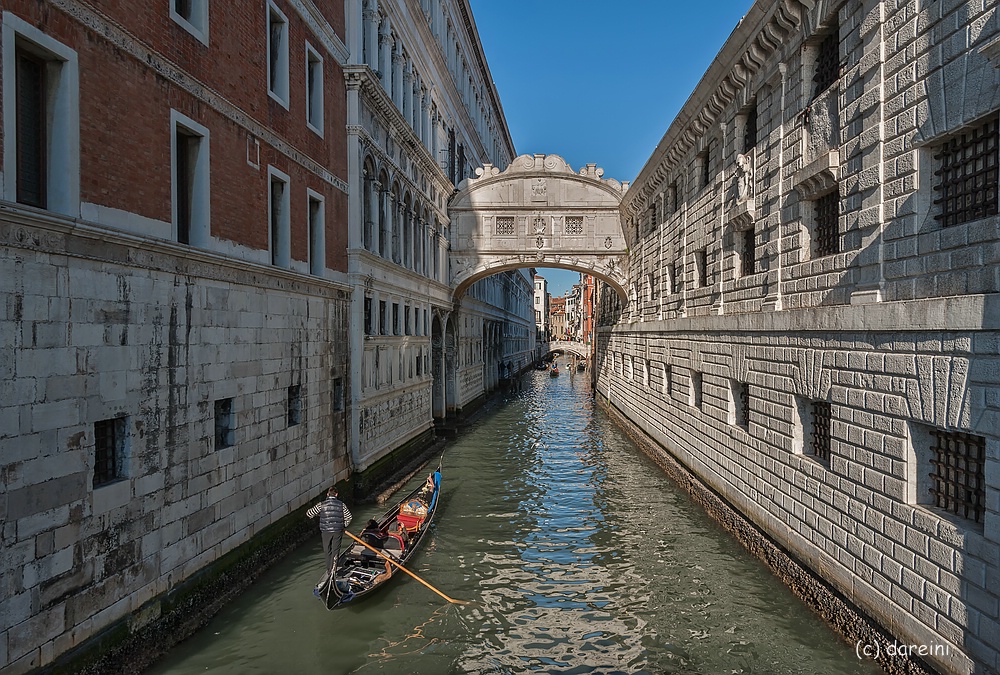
[
  {"x": 967, "y": 175},
  {"x": 958, "y": 480},
  {"x": 574, "y": 224},
  {"x": 505, "y": 224}
]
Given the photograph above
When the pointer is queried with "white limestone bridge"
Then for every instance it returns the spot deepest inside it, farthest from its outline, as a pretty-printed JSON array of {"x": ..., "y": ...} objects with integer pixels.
[
  {"x": 538, "y": 213},
  {"x": 578, "y": 349}
]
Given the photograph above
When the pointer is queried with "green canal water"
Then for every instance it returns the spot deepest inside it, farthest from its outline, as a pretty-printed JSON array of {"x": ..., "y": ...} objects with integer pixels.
[{"x": 579, "y": 555}]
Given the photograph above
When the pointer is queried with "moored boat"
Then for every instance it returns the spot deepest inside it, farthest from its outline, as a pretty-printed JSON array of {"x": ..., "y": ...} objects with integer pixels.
[{"x": 398, "y": 535}]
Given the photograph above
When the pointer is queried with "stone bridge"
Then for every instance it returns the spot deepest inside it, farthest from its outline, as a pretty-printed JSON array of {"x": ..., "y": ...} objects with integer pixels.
[
  {"x": 578, "y": 349},
  {"x": 538, "y": 213}
]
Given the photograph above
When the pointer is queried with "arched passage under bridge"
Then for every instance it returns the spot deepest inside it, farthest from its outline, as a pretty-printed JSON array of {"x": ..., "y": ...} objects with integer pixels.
[{"x": 537, "y": 213}]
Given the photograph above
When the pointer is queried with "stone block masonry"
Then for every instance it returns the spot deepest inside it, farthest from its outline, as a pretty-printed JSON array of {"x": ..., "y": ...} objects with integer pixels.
[{"x": 85, "y": 545}]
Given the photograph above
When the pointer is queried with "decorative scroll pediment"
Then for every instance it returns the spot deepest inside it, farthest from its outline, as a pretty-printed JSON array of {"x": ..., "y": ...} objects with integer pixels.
[{"x": 819, "y": 177}]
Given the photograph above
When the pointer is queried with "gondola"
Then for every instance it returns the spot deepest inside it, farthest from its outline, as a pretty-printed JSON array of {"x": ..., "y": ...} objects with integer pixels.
[
  {"x": 554, "y": 372},
  {"x": 400, "y": 532}
]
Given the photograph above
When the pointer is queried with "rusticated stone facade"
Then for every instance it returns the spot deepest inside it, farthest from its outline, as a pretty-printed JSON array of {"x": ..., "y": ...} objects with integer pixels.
[{"x": 813, "y": 321}]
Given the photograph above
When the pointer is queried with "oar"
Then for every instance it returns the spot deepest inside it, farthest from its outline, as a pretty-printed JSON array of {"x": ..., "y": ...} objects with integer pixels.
[{"x": 379, "y": 553}]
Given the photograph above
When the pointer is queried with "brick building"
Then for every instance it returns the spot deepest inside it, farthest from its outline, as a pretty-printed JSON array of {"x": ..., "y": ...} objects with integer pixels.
[{"x": 172, "y": 260}]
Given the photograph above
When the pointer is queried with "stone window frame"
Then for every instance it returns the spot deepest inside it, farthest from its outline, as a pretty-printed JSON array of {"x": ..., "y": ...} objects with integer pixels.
[
  {"x": 748, "y": 251},
  {"x": 279, "y": 220},
  {"x": 194, "y": 154},
  {"x": 62, "y": 158},
  {"x": 804, "y": 429},
  {"x": 933, "y": 168},
  {"x": 368, "y": 316},
  {"x": 700, "y": 260},
  {"x": 192, "y": 16},
  {"x": 277, "y": 54},
  {"x": 111, "y": 451},
  {"x": 920, "y": 467},
  {"x": 739, "y": 404},
  {"x": 696, "y": 394},
  {"x": 337, "y": 394},
  {"x": 667, "y": 379},
  {"x": 811, "y": 54},
  {"x": 383, "y": 317},
  {"x": 314, "y": 91},
  {"x": 316, "y": 216}
]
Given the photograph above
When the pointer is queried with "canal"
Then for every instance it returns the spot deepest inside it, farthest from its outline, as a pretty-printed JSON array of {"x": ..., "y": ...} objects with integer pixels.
[{"x": 580, "y": 557}]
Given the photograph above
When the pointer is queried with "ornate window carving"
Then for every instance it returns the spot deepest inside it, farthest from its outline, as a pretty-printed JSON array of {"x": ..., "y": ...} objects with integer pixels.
[
  {"x": 574, "y": 224},
  {"x": 505, "y": 224},
  {"x": 967, "y": 187}
]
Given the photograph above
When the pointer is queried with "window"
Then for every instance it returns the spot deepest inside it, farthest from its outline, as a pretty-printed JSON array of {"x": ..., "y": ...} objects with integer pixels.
[
  {"x": 967, "y": 175},
  {"x": 678, "y": 276},
  {"x": 406, "y": 321},
  {"x": 317, "y": 234},
  {"x": 651, "y": 282},
  {"x": 192, "y": 16},
  {"x": 191, "y": 180},
  {"x": 110, "y": 460},
  {"x": 667, "y": 376},
  {"x": 820, "y": 437},
  {"x": 383, "y": 317},
  {"x": 294, "y": 404},
  {"x": 505, "y": 224},
  {"x": 279, "y": 219},
  {"x": 748, "y": 257},
  {"x": 314, "y": 90},
  {"x": 827, "y": 61},
  {"x": 739, "y": 404},
  {"x": 750, "y": 129},
  {"x": 958, "y": 479},
  {"x": 574, "y": 225},
  {"x": 368, "y": 317},
  {"x": 697, "y": 394},
  {"x": 224, "y": 424},
  {"x": 672, "y": 197},
  {"x": 41, "y": 127},
  {"x": 701, "y": 263},
  {"x": 277, "y": 54},
  {"x": 827, "y": 239},
  {"x": 705, "y": 164},
  {"x": 395, "y": 319},
  {"x": 338, "y": 394}
]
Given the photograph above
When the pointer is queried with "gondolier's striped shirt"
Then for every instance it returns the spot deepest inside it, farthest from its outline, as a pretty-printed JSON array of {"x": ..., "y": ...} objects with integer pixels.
[{"x": 316, "y": 510}]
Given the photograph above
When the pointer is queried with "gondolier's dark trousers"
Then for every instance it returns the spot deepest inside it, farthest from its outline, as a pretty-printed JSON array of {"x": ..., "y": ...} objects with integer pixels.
[{"x": 331, "y": 547}]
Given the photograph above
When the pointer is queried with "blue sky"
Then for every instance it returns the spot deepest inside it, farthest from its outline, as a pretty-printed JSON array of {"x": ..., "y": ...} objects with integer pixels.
[{"x": 598, "y": 81}]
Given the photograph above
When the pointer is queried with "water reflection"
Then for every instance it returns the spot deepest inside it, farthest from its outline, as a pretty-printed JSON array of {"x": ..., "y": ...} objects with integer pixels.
[{"x": 580, "y": 555}]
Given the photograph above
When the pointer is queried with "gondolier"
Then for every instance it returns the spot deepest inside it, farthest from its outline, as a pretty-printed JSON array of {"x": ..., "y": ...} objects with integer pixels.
[{"x": 334, "y": 517}]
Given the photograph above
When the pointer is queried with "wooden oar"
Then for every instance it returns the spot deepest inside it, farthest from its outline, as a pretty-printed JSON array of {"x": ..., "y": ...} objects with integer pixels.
[{"x": 389, "y": 558}]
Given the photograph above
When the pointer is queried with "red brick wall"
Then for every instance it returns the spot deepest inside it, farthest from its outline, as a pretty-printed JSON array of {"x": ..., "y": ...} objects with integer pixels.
[{"x": 125, "y": 115}]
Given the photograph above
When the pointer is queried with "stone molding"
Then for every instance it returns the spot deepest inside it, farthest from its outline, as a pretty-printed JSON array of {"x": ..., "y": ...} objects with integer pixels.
[
  {"x": 992, "y": 52},
  {"x": 819, "y": 177},
  {"x": 78, "y": 238},
  {"x": 743, "y": 214}
]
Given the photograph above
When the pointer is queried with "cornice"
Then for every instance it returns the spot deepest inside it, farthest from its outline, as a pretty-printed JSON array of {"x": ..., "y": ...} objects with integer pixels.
[
  {"x": 755, "y": 39},
  {"x": 819, "y": 177},
  {"x": 170, "y": 71},
  {"x": 320, "y": 27}
]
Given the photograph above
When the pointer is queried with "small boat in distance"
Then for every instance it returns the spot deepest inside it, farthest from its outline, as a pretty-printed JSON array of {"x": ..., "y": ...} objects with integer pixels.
[
  {"x": 555, "y": 370},
  {"x": 397, "y": 534},
  {"x": 581, "y": 364}
]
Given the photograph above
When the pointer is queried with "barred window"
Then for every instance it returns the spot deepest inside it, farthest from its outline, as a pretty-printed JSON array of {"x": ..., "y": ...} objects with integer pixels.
[
  {"x": 672, "y": 197},
  {"x": 706, "y": 158},
  {"x": 740, "y": 412},
  {"x": 574, "y": 224},
  {"x": 967, "y": 187},
  {"x": 505, "y": 224},
  {"x": 109, "y": 451},
  {"x": 827, "y": 228},
  {"x": 958, "y": 478},
  {"x": 749, "y": 258},
  {"x": 827, "y": 61},
  {"x": 701, "y": 261},
  {"x": 821, "y": 412},
  {"x": 653, "y": 220},
  {"x": 697, "y": 397},
  {"x": 368, "y": 316}
]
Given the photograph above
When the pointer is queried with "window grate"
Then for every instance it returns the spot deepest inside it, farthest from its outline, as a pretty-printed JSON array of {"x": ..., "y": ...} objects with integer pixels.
[
  {"x": 827, "y": 229},
  {"x": 706, "y": 174},
  {"x": 959, "y": 473},
  {"x": 968, "y": 175},
  {"x": 821, "y": 430},
  {"x": 744, "y": 418},
  {"x": 827, "y": 61},
  {"x": 749, "y": 259},
  {"x": 223, "y": 423},
  {"x": 109, "y": 439},
  {"x": 574, "y": 224},
  {"x": 31, "y": 113},
  {"x": 702, "y": 264},
  {"x": 505, "y": 224},
  {"x": 750, "y": 130},
  {"x": 294, "y": 405}
]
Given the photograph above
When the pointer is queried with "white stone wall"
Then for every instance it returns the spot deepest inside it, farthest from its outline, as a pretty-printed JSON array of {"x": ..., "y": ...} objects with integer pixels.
[
  {"x": 100, "y": 325},
  {"x": 898, "y": 331}
]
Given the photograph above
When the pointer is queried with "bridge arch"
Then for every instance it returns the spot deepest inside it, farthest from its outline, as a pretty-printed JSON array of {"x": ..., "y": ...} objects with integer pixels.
[{"x": 538, "y": 213}]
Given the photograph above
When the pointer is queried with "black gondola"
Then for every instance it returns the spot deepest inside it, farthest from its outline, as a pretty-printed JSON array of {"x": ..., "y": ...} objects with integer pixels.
[{"x": 397, "y": 534}]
